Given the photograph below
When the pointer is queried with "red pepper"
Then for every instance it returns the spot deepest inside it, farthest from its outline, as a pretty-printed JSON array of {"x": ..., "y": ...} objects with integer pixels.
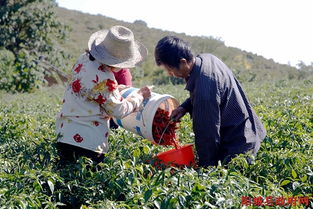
[{"x": 160, "y": 121}]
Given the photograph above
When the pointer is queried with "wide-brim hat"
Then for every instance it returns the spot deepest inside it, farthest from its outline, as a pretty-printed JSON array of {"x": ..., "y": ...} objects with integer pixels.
[{"x": 116, "y": 47}]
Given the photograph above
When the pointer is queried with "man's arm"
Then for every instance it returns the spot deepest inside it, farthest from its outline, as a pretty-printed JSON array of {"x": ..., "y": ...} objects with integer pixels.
[{"x": 187, "y": 105}]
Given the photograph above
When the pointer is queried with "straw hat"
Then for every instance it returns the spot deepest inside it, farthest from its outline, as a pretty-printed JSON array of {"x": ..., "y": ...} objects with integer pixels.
[{"x": 116, "y": 47}]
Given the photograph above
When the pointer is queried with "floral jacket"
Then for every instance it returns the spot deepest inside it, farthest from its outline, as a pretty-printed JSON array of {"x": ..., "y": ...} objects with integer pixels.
[{"x": 90, "y": 100}]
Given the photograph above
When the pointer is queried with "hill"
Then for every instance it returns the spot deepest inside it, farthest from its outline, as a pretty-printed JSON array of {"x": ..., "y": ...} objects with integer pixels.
[{"x": 246, "y": 65}]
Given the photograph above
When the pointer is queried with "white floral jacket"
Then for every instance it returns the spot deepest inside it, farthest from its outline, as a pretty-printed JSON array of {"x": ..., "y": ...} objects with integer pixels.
[{"x": 90, "y": 100}]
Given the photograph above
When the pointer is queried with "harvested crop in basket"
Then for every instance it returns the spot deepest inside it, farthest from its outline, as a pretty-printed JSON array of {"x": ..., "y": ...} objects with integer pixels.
[{"x": 162, "y": 123}]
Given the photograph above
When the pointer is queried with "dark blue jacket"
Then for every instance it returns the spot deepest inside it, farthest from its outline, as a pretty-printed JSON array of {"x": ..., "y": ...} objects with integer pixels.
[{"x": 224, "y": 122}]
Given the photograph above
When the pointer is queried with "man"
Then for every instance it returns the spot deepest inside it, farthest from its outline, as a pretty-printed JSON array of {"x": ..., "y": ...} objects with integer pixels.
[{"x": 224, "y": 122}]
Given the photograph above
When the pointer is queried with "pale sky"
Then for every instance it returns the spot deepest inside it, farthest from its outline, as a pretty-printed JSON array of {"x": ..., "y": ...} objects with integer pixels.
[{"x": 277, "y": 29}]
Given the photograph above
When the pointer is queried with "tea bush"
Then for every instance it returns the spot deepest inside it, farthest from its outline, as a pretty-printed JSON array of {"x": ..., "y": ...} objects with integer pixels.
[{"x": 31, "y": 177}]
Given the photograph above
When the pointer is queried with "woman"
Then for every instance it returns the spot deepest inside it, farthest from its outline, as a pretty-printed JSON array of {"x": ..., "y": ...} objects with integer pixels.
[
  {"x": 122, "y": 77},
  {"x": 93, "y": 97}
]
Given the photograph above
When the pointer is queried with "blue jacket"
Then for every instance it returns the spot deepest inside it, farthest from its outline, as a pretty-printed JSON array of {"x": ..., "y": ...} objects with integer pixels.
[{"x": 224, "y": 122}]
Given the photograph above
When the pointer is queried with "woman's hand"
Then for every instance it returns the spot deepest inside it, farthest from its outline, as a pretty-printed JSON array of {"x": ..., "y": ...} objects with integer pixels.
[
  {"x": 145, "y": 92},
  {"x": 121, "y": 87}
]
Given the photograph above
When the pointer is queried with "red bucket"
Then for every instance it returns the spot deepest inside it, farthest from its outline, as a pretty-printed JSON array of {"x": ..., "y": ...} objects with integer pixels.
[{"x": 182, "y": 156}]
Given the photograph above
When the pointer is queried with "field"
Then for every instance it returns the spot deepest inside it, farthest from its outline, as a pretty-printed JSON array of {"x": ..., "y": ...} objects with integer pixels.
[{"x": 282, "y": 174}]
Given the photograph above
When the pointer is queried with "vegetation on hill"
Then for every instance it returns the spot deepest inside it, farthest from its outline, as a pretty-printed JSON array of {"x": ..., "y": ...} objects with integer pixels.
[
  {"x": 32, "y": 50},
  {"x": 29, "y": 34},
  {"x": 247, "y": 66}
]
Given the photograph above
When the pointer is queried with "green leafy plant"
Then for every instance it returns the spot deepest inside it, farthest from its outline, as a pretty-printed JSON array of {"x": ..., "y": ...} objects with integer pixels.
[
  {"x": 30, "y": 30},
  {"x": 31, "y": 176}
]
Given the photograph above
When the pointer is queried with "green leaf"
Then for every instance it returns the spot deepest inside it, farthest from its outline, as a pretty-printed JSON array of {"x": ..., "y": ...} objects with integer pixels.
[
  {"x": 294, "y": 174},
  {"x": 285, "y": 182},
  {"x": 139, "y": 168},
  {"x": 127, "y": 164},
  {"x": 3, "y": 191},
  {"x": 304, "y": 178},
  {"x": 146, "y": 150},
  {"x": 147, "y": 195},
  {"x": 37, "y": 186},
  {"x": 51, "y": 186},
  {"x": 136, "y": 152},
  {"x": 198, "y": 187},
  {"x": 182, "y": 200},
  {"x": 156, "y": 204}
]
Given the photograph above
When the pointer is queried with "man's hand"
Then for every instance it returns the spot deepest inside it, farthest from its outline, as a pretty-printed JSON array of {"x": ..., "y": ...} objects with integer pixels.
[{"x": 178, "y": 113}]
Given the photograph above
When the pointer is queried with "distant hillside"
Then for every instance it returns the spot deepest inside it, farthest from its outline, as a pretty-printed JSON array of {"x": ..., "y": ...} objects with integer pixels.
[{"x": 247, "y": 66}]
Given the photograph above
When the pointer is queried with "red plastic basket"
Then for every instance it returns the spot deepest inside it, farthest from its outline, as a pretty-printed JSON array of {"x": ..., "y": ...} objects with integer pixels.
[{"x": 183, "y": 156}]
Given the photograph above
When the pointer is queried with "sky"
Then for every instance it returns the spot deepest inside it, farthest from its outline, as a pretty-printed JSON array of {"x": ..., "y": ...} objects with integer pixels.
[{"x": 281, "y": 30}]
